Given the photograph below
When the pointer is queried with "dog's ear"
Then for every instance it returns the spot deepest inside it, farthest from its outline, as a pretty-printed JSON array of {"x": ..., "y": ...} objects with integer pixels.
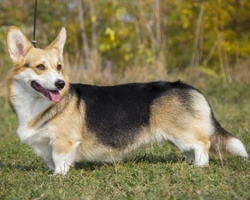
[
  {"x": 59, "y": 42},
  {"x": 17, "y": 44}
]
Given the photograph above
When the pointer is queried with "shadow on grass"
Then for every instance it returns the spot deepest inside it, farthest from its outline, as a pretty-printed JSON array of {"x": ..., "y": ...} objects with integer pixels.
[
  {"x": 146, "y": 158},
  {"x": 231, "y": 163},
  {"x": 90, "y": 166},
  {"x": 20, "y": 167}
]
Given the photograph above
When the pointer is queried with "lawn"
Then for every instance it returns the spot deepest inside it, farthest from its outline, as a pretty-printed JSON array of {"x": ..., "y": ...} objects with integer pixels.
[{"x": 155, "y": 172}]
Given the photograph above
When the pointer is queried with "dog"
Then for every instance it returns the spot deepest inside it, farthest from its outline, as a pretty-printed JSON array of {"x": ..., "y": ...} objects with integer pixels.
[{"x": 67, "y": 123}]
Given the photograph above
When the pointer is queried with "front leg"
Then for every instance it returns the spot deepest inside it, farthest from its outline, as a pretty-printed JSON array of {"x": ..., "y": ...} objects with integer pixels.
[
  {"x": 63, "y": 158},
  {"x": 63, "y": 161},
  {"x": 44, "y": 150}
]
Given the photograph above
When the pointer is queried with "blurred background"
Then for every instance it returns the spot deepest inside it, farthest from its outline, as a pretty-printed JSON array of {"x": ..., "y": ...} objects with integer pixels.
[{"x": 117, "y": 41}]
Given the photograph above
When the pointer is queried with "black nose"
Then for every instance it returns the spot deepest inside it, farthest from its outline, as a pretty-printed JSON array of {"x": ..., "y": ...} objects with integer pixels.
[{"x": 60, "y": 84}]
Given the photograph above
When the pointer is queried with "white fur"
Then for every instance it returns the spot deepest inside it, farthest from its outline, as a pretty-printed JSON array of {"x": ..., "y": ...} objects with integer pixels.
[
  {"x": 201, "y": 157},
  {"x": 27, "y": 107},
  {"x": 235, "y": 147},
  {"x": 47, "y": 80},
  {"x": 63, "y": 161},
  {"x": 203, "y": 109},
  {"x": 43, "y": 148},
  {"x": 197, "y": 156},
  {"x": 190, "y": 157},
  {"x": 17, "y": 45}
]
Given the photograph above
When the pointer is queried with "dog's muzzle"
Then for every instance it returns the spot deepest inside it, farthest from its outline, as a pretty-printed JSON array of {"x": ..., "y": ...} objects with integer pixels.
[{"x": 53, "y": 95}]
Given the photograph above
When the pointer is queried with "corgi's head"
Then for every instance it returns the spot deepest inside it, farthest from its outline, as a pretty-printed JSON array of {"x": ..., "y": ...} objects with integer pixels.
[{"x": 39, "y": 71}]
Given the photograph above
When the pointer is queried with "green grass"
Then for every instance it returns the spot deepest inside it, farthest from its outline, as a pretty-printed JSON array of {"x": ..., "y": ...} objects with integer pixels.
[{"x": 156, "y": 172}]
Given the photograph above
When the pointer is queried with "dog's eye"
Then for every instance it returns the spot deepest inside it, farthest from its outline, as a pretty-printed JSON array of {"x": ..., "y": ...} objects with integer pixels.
[
  {"x": 59, "y": 67},
  {"x": 40, "y": 67}
]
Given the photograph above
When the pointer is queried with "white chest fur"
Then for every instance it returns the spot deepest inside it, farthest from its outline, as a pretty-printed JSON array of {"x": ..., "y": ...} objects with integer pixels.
[{"x": 28, "y": 106}]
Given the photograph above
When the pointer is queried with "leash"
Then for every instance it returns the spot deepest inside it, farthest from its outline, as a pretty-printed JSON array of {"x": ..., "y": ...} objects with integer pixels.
[{"x": 34, "y": 27}]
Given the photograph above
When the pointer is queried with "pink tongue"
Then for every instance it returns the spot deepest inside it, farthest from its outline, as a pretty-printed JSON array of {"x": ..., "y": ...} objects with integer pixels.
[{"x": 54, "y": 96}]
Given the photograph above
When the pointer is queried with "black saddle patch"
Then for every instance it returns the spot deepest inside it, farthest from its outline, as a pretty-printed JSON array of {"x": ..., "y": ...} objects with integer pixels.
[{"x": 116, "y": 114}]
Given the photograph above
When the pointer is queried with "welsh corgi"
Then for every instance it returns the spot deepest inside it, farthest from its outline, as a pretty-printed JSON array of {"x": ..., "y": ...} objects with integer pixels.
[{"x": 66, "y": 123}]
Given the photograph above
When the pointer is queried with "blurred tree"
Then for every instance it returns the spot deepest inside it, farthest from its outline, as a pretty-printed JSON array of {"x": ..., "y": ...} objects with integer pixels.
[{"x": 210, "y": 36}]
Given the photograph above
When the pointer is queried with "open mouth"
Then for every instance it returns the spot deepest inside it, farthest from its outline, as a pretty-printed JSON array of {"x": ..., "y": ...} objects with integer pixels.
[{"x": 52, "y": 95}]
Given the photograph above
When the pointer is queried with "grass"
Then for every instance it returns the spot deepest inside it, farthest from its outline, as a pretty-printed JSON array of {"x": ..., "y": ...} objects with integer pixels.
[{"x": 155, "y": 172}]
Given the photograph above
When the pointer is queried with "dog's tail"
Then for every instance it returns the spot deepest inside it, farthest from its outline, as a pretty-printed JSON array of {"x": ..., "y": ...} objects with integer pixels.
[{"x": 223, "y": 143}]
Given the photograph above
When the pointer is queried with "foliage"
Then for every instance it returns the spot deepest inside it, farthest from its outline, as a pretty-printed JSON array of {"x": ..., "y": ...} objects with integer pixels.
[{"x": 213, "y": 35}]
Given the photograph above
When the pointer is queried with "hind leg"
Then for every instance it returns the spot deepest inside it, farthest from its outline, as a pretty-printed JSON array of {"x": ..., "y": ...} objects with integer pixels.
[
  {"x": 196, "y": 149},
  {"x": 201, "y": 151},
  {"x": 198, "y": 156},
  {"x": 190, "y": 157}
]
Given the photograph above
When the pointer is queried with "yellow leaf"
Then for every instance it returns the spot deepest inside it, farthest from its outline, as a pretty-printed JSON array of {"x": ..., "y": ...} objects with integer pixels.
[
  {"x": 112, "y": 36},
  {"x": 93, "y": 19},
  {"x": 108, "y": 31}
]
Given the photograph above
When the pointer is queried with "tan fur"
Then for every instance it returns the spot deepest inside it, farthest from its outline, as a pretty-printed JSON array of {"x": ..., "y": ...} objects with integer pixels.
[
  {"x": 166, "y": 114},
  {"x": 67, "y": 136},
  {"x": 219, "y": 144}
]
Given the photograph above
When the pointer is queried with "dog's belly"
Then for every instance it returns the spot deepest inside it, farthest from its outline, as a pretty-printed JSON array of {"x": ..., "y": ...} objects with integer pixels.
[{"x": 98, "y": 152}]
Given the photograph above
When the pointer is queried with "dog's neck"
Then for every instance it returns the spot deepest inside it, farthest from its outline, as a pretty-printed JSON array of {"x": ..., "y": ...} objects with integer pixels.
[{"x": 26, "y": 106}]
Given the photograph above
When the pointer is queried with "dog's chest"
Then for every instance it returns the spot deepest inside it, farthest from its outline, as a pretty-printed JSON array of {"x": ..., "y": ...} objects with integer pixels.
[
  {"x": 35, "y": 135},
  {"x": 28, "y": 108}
]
